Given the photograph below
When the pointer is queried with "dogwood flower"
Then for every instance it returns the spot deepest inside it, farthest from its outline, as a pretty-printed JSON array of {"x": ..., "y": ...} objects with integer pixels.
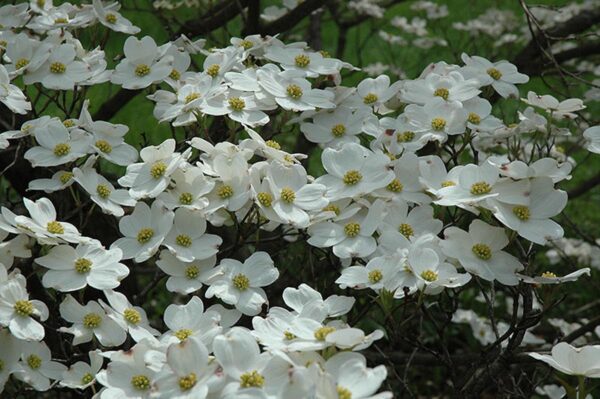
[
  {"x": 557, "y": 109},
  {"x": 475, "y": 183},
  {"x": 18, "y": 247},
  {"x": 89, "y": 321},
  {"x": 142, "y": 65},
  {"x": 450, "y": 87},
  {"x": 60, "y": 71},
  {"x": 239, "y": 284},
  {"x": 56, "y": 145},
  {"x": 144, "y": 231},
  {"x": 11, "y": 352},
  {"x": 501, "y": 75},
  {"x": 583, "y": 361},
  {"x": 17, "y": 310},
  {"x": 72, "y": 269},
  {"x": 479, "y": 252},
  {"x": 239, "y": 106},
  {"x": 11, "y": 95},
  {"x": 373, "y": 92},
  {"x": 59, "y": 181},
  {"x": 592, "y": 135},
  {"x": 81, "y": 375},
  {"x": 411, "y": 224},
  {"x": 130, "y": 318},
  {"x": 36, "y": 367},
  {"x": 186, "y": 239},
  {"x": 190, "y": 188},
  {"x": 112, "y": 19},
  {"x": 185, "y": 277},
  {"x": 102, "y": 192},
  {"x": 551, "y": 278},
  {"x": 437, "y": 117}
]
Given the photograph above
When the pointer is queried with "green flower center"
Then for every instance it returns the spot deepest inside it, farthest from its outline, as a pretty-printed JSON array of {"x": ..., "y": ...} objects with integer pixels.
[
  {"x": 494, "y": 73},
  {"x": 522, "y": 212},
  {"x": 352, "y": 229},
  {"x": 21, "y": 63},
  {"x": 183, "y": 240},
  {"x": 145, "y": 235},
  {"x": 294, "y": 91},
  {"x": 175, "y": 75},
  {"x": 289, "y": 336},
  {"x": 23, "y": 308},
  {"x": 158, "y": 170},
  {"x": 55, "y": 227},
  {"x": 62, "y": 149},
  {"x": 406, "y": 230},
  {"x": 183, "y": 334},
  {"x": 252, "y": 379},
  {"x": 405, "y": 137},
  {"x": 442, "y": 92},
  {"x": 302, "y": 60},
  {"x": 103, "y": 191},
  {"x": 273, "y": 144},
  {"x": 225, "y": 191},
  {"x": 480, "y": 188},
  {"x": 241, "y": 282},
  {"x": 61, "y": 21},
  {"x": 448, "y": 183},
  {"x": 246, "y": 44},
  {"x": 65, "y": 177},
  {"x": 375, "y": 276},
  {"x": 110, "y": 18},
  {"x": 140, "y": 382},
  {"x": 213, "y": 70},
  {"x": 92, "y": 320},
  {"x": 332, "y": 208},
  {"x": 549, "y": 275},
  {"x": 352, "y": 177},
  {"x": 68, "y": 123},
  {"x": 187, "y": 382},
  {"x": 474, "y": 118},
  {"x": 34, "y": 361},
  {"x": 87, "y": 378},
  {"x": 438, "y": 124},
  {"x": 321, "y": 333},
  {"x": 395, "y": 186},
  {"x": 338, "y": 130},
  {"x": 192, "y": 272},
  {"x": 83, "y": 265},
  {"x": 58, "y": 68},
  {"x": 104, "y": 146},
  {"x": 429, "y": 275},
  {"x": 186, "y": 198},
  {"x": 132, "y": 316},
  {"x": 288, "y": 195},
  {"x": 265, "y": 199},
  {"x": 343, "y": 393},
  {"x": 237, "y": 104},
  {"x": 142, "y": 70},
  {"x": 482, "y": 251},
  {"x": 191, "y": 97},
  {"x": 370, "y": 98}
]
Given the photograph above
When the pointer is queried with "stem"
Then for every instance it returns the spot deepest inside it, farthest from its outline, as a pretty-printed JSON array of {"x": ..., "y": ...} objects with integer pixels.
[{"x": 581, "y": 394}]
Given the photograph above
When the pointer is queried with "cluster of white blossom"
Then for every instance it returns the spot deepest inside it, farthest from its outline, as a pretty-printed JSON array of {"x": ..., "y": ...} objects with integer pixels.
[{"x": 382, "y": 209}]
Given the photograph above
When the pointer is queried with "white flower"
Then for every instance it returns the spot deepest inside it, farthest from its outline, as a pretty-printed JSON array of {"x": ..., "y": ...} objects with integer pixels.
[
  {"x": 186, "y": 239},
  {"x": 144, "y": 231},
  {"x": 353, "y": 170},
  {"x": 17, "y": 247},
  {"x": 90, "y": 320},
  {"x": 532, "y": 221},
  {"x": 592, "y": 135},
  {"x": 411, "y": 224},
  {"x": 334, "y": 128},
  {"x": 190, "y": 188},
  {"x": 151, "y": 177},
  {"x": 375, "y": 92},
  {"x": 475, "y": 184},
  {"x": 56, "y": 145},
  {"x": 558, "y": 110},
  {"x": 102, "y": 192},
  {"x": 351, "y": 237},
  {"x": 479, "y": 252},
  {"x": 109, "y": 17},
  {"x": 551, "y": 278},
  {"x": 11, "y": 95},
  {"x": 185, "y": 277},
  {"x": 36, "y": 367},
  {"x": 406, "y": 185},
  {"x": 11, "y": 352},
  {"x": 60, "y": 71},
  {"x": 502, "y": 75},
  {"x": 130, "y": 318},
  {"x": 240, "y": 106},
  {"x": 59, "y": 181},
  {"x": 72, "y": 269},
  {"x": 82, "y": 375},
  {"x": 312, "y": 64},
  {"x": 450, "y": 87},
  {"x": 438, "y": 118},
  {"x": 142, "y": 64},
  {"x": 239, "y": 284},
  {"x": 17, "y": 310},
  {"x": 584, "y": 361}
]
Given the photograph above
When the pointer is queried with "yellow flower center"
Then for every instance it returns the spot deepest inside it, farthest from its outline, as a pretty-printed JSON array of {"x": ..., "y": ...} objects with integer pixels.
[
  {"x": 429, "y": 275},
  {"x": 132, "y": 316},
  {"x": 480, "y": 188},
  {"x": 482, "y": 251},
  {"x": 192, "y": 272},
  {"x": 474, "y": 118},
  {"x": 21, "y": 63},
  {"x": 58, "y": 67},
  {"x": 145, "y": 235},
  {"x": 175, "y": 75},
  {"x": 241, "y": 282},
  {"x": 273, "y": 144},
  {"x": 352, "y": 229},
  {"x": 252, "y": 379},
  {"x": 442, "y": 92},
  {"x": 92, "y": 320},
  {"x": 225, "y": 191},
  {"x": 352, "y": 177},
  {"x": 213, "y": 70},
  {"x": 183, "y": 334},
  {"x": 110, "y": 18},
  {"x": 68, "y": 123},
  {"x": 23, "y": 308},
  {"x": 104, "y": 146},
  {"x": 158, "y": 170},
  {"x": 288, "y": 195},
  {"x": 343, "y": 393},
  {"x": 103, "y": 191},
  {"x": 83, "y": 265},
  {"x": 321, "y": 333},
  {"x": 494, "y": 73},
  {"x": 65, "y": 177},
  {"x": 246, "y": 44},
  {"x": 142, "y": 70},
  {"x": 370, "y": 98},
  {"x": 191, "y": 97},
  {"x": 55, "y": 227},
  {"x": 333, "y": 208},
  {"x": 406, "y": 230},
  {"x": 302, "y": 60},
  {"x": 289, "y": 336},
  {"x": 438, "y": 124},
  {"x": 62, "y": 149},
  {"x": 187, "y": 382},
  {"x": 395, "y": 186},
  {"x": 265, "y": 199},
  {"x": 140, "y": 382},
  {"x": 405, "y": 137},
  {"x": 34, "y": 361},
  {"x": 87, "y": 378},
  {"x": 61, "y": 21},
  {"x": 338, "y": 130},
  {"x": 294, "y": 91},
  {"x": 448, "y": 183},
  {"x": 183, "y": 240},
  {"x": 237, "y": 104},
  {"x": 375, "y": 276},
  {"x": 522, "y": 212},
  {"x": 186, "y": 198},
  {"x": 549, "y": 275}
]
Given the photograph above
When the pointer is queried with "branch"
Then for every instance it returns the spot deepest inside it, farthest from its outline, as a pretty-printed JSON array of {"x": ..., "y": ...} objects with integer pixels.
[
  {"x": 584, "y": 187},
  {"x": 216, "y": 17},
  {"x": 292, "y": 18}
]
